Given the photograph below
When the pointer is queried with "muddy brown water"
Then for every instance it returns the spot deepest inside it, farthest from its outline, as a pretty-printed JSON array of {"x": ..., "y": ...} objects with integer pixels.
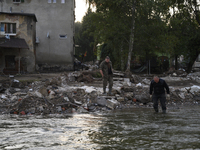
[{"x": 121, "y": 129}]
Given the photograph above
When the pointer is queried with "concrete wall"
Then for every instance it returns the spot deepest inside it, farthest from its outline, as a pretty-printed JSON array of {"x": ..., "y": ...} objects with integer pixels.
[
  {"x": 26, "y": 29},
  {"x": 55, "y": 19}
]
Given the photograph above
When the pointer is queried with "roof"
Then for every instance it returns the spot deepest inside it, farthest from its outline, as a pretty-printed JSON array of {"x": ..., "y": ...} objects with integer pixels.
[
  {"x": 20, "y": 14},
  {"x": 13, "y": 43}
]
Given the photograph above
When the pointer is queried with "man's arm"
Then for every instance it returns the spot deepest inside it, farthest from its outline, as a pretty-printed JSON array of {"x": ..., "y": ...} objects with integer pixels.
[
  {"x": 166, "y": 87},
  {"x": 151, "y": 88},
  {"x": 101, "y": 73}
]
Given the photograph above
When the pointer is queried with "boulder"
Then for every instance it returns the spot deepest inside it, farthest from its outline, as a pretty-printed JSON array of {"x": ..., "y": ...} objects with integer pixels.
[
  {"x": 143, "y": 98},
  {"x": 112, "y": 103},
  {"x": 146, "y": 81},
  {"x": 120, "y": 99},
  {"x": 43, "y": 91},
  {"x": 101, "y": 101}
]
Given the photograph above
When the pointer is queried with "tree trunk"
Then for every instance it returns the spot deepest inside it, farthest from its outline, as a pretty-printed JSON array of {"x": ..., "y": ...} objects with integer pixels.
[
  {"x": 122, "y": 59},
  {"x": 131, "y": 42},
  {"x": 191, "y": 62},
  {"x": 176, "y": 62}
]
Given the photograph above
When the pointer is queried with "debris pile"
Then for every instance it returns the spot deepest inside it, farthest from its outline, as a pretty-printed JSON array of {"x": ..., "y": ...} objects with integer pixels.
[{"x": 70, "y": 92}]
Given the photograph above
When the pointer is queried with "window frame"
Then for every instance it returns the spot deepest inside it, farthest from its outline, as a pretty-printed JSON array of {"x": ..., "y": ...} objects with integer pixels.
[
  {"x": 14, "y": 1},
  {"x": 54, "y": 1},
  {"x": 49, "y": 1},
  {"x": 7, "y": 28},
  {"x": 62, "y": 1}
]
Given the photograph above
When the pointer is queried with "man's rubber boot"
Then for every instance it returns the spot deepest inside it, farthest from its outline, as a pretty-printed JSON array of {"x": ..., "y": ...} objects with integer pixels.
[
  {"x": 110, "y": 91},
  {"x": 104, "y": 92}
]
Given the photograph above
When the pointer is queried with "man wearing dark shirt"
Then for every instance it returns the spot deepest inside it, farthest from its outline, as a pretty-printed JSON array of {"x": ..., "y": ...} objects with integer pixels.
[
  {"x": 157, "y": 87},
  {"x": 107, "y": 74}
]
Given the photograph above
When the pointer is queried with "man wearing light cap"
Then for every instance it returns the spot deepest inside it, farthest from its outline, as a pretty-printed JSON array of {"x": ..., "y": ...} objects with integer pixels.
[{"x": 107, "y": 74}]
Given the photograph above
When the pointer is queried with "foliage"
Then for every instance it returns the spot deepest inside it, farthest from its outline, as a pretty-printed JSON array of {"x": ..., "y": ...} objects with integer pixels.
[{"x": 147, "y": 27}]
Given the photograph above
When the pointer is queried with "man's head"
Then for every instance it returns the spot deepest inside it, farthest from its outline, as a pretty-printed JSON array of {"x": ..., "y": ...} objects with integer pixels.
[
  {"x": 107, "y": 59},
  {"x": 156, "y": 79}
]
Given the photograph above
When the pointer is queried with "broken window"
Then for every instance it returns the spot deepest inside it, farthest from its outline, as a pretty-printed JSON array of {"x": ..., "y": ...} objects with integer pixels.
[
  {"x": 8, "y": 28},
  {"x": 49, "y": 1},
  {"x": 16, "y": 1},
  {"x": 62, "y": 1},
  {"x": 54, "y": 1}
]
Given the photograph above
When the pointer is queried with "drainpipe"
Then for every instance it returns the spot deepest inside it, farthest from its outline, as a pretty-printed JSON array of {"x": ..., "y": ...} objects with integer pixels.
[{"x": 19, "y": 62}]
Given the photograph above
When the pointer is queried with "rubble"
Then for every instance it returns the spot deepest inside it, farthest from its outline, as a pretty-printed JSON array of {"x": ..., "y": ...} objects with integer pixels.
[{"x": 66, "y": 93}]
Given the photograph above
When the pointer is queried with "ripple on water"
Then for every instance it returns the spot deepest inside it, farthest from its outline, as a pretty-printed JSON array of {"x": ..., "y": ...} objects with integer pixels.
[{"x": 129, "y": 129}]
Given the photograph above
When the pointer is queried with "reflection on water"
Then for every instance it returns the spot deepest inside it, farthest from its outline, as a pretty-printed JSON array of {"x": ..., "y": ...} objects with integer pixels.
[{"x": 127, "y": 129}]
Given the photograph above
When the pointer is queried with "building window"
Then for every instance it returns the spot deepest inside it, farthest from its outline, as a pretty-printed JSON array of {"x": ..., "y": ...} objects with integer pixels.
[
  {"x": 49, "y": 1},
  {"x": 8, "y": 28},
  {"x": 54, "y": 1},
  {"x": 63, "y": 36},
  {"x": 62, "y": 1},
  {"x": 16, "y": 1}
]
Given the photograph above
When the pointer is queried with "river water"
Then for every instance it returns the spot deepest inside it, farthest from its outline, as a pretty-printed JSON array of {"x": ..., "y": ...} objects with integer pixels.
[{"x": 121, "y": 129}]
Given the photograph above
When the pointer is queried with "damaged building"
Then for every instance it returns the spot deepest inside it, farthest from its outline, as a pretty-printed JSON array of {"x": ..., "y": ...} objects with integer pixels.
[
  {"x": 17, "y": 42},
  {"x": 54, "y": 40}
]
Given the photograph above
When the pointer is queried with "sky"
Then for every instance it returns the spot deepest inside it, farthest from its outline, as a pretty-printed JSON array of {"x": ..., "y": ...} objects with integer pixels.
[{"x": 80, "y": 9}]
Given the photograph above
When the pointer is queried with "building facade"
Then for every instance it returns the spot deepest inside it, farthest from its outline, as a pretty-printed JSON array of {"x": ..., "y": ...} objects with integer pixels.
[
  {"x": 17, "y": 42},
  {"x": 54, "y": 30}
]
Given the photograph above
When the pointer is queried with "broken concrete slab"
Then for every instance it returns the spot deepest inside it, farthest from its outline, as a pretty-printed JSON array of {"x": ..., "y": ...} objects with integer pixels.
[{"x": 112, "y": 103}]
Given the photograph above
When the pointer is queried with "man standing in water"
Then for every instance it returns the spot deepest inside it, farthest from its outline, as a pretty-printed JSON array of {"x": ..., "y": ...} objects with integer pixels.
[
  {"x": 107, "y": 74},
  {"x": 157, "y": 87}
]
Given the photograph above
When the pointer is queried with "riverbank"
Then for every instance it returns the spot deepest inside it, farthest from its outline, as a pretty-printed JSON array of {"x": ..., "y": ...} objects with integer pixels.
[{"x": 81, "y": 92}]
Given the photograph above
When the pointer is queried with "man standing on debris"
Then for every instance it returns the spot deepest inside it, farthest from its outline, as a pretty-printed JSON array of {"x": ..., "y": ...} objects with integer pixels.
[
  {"x": 107, "y": 74},
  {"x": 157, "y": 87}
]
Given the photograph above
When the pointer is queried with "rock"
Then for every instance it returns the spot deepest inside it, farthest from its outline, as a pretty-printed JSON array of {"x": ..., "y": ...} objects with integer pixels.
[
  {"x": 14, "y": 98},
  {"x": 55, "y": 81},
  {"x": 32, "y": 110},
  {"x": 112, "y": 104},
  {"x": 82, "y": 110},
  {"x": 139, "y": 85},
  {"x": 43, "y": 91},
  {"x": 181, "y": 95},
  {"x": 128, "y": 89},
  {"x": 197, "y": 97},
  {"x": 37, "y": 94},
  {"x": 194, "y": 89},
  {"x": 101, "y": 101},
  {"x": 51, "y": 95},
  {"x": 20, "y": 94},
  {"x": 59, "y": 109},
  {"x": 40, "y": 108},
  {"x": 66, "y": 98},
  {"x": 91, "y": 108},
  {"x": 129, "y": 95},
  {"x": 120, "y": 99},
  {"x": 143, "y": 98},
  {"x": 77, "y": 102},
  {"x": 127, "y": 81},
  {"x": 3, "y": 96},
  {"x": 146, "y": 81},
  {"x": 136, "y": 78},
  {"x": 85, "y": 78}
]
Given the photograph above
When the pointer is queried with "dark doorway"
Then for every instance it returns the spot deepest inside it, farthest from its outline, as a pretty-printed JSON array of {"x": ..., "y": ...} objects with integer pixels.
[{"x": 10, "y": 62}]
